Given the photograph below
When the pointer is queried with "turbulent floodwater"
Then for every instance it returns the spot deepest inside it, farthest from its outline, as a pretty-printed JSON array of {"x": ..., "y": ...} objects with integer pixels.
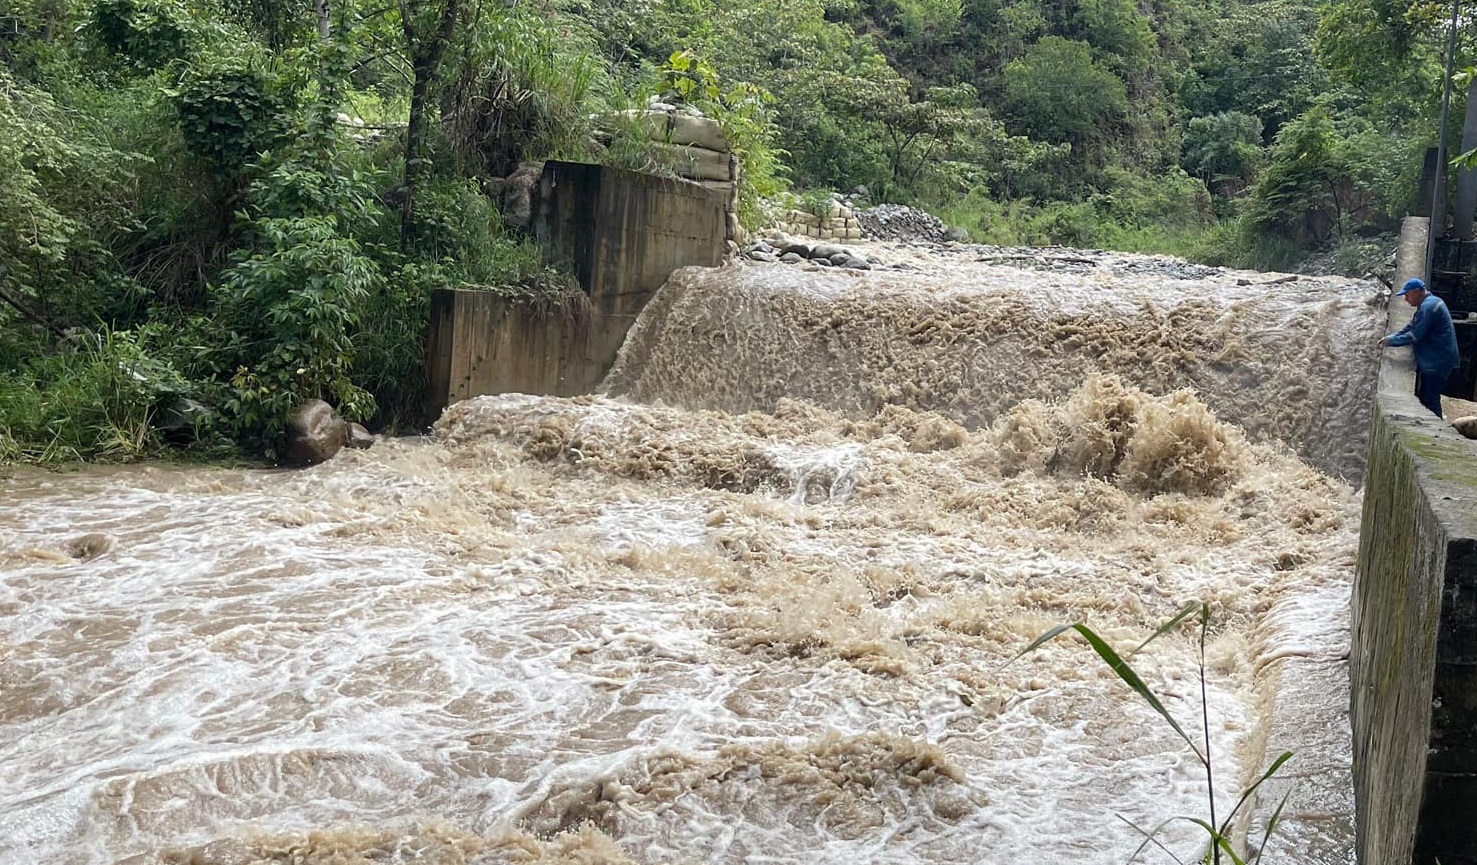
[
  {"x": 762, "y": 609},
  {"x": 971, "y": 335}
]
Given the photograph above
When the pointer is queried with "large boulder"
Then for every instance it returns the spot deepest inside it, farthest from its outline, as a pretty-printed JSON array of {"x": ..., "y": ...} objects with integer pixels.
[
  {"x": 1467, "y": 426},
  {"x": 517, "y": 191},
  {"x": 358, "y": 437},
  {"x": 315, "y": 433}
]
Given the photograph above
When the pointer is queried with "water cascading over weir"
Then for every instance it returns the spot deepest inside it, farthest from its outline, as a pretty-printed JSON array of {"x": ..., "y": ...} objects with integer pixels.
[
  {"x": 1050, "y": 357},
  {"x": 971, "y": 335},
  {"x": 980, "y": 336},
  {"x": 759, "y": 596}
]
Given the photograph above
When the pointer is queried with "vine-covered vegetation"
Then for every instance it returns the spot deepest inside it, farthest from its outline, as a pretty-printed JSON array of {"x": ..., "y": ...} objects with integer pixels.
[{"x": 211, "y": 209}]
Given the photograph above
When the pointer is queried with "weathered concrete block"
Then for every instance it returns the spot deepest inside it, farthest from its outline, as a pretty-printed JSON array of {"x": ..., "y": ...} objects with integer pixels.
[
  {"x": 624, "y": 232},
  {"x": 727, "y": 190}
]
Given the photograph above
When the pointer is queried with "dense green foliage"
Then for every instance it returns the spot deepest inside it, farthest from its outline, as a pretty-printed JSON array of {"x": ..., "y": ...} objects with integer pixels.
[{"x": 247, "y": 202}]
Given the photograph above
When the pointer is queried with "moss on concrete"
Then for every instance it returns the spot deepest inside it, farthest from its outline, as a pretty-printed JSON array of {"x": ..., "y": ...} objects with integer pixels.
[{"x": 1446, "y": 459}]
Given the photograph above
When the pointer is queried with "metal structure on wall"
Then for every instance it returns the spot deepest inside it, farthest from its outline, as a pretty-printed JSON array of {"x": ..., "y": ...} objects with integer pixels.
[{"x": 1454, "y": 280}]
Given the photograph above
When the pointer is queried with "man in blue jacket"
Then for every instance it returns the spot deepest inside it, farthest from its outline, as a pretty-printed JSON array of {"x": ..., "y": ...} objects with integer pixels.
[{"x": 1432, "y": 339}]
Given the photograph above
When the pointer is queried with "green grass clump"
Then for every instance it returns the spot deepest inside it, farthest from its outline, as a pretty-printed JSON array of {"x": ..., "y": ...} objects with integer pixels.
[{"x": 1221, "y": 846}]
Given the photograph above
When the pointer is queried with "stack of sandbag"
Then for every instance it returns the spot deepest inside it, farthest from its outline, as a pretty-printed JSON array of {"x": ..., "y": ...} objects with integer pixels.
[
  {"x": 835, "y": 221},
  {"x": 695, "y": 148}
]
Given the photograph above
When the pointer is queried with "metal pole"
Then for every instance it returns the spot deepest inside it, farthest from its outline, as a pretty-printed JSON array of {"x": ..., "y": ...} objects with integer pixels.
[{"x": 1438, "y": 192}]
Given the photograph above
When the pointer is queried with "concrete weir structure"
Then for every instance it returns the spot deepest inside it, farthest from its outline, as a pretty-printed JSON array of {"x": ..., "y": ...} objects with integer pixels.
[
  {"x": 1413, "y": 660},
  {"x": 624, "y": 232}
]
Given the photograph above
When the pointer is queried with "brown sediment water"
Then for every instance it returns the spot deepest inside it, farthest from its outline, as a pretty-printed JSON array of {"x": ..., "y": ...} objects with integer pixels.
[
  {"x": 761, "y": 608},
  {"x": 961, "y": 334}
]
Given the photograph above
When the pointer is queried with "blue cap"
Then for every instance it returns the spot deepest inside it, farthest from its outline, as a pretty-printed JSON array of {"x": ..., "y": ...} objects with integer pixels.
[{"x": 1411, "y": 285}]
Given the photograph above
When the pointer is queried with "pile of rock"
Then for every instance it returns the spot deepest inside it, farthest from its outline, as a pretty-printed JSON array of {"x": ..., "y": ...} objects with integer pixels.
[
  {"x": 793, "y": 250},
  {"x": 900, "y": 222},
  {"x": 835, "y": 221}
]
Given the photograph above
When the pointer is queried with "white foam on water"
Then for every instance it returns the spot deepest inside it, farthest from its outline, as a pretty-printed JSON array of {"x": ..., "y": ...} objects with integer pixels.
[{"x": 592, "y": 629}]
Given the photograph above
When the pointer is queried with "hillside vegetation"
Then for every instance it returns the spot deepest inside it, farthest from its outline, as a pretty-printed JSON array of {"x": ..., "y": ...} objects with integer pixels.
[{"x": 209, "y": 211}]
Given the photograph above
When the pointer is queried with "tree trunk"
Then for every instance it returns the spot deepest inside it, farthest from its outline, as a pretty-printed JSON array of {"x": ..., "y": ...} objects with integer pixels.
[
  {"x": 415, "y": 132},
  {"x": 320, "y": 8},
  {"x": 425, "y": 58}
]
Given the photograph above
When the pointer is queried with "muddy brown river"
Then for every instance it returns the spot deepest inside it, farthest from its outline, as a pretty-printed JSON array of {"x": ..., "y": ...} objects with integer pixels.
[{"x": 756, "y": 603}]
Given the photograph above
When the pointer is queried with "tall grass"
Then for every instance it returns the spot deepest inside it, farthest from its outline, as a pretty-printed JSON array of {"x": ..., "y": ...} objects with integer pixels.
[
  {"x": 1221, "y": 845},
  {"x": 95, "y": 399}
]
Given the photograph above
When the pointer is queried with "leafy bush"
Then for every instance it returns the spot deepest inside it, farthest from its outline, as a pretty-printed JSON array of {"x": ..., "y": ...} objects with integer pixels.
[
  {"x": 1000, "y": 223},
  {"x": 1234, "y": 244},
  {"x": 291, "y": 306},
  {"x": 62, "y": 191},
  {"x": 149, "y": 34},
  {"x": 1137, "y": 201},
  {"x": 523, "y": 91},
  {"x": 1166, "y": 214},
  {"x": 743, "y": 114},
  {"x": 231, "y": 112}
]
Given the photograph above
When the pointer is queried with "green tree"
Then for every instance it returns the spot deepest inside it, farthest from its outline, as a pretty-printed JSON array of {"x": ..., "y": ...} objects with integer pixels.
[
  {"x": 427, "y": 27},
  {"x": 1120, "y": 35},
  {"x": 1057, "y": 92},
  {"x": 1261, "y": 62},
  {"x": 1223, "y": 149},
  {"x": 1324, "y": 174},
  {"x": 1390, "y": 51}
]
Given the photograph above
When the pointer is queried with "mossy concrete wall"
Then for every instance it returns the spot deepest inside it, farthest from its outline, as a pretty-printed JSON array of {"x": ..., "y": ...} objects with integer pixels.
[
  {"x": 1413, "y": 659},
  {"x": 622, "y": 233}
]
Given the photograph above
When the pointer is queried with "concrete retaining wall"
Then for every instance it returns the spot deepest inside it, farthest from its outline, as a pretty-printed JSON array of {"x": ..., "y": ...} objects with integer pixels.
[
  {"x": 1413, "y": 661},
  {"x": 622, "y": 233}
]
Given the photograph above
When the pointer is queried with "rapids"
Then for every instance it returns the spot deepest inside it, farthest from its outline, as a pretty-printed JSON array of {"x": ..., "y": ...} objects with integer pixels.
[
  {"x": 970, "y": 336},
  {"x": 761, "y": 602}
]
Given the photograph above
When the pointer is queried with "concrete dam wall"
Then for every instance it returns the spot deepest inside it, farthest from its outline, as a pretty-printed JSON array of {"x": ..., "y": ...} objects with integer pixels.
[
  {"x": 623, "y": 233},
  {"x": 1413, "y": 662}
]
